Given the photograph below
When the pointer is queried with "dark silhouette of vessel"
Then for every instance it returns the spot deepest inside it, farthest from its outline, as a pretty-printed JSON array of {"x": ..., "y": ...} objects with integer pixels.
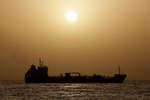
[{"x": 40, "y": 75}]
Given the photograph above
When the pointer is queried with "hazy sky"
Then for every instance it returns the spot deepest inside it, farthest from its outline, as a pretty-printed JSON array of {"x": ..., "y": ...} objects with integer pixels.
[{"x": 107, "y": 34}]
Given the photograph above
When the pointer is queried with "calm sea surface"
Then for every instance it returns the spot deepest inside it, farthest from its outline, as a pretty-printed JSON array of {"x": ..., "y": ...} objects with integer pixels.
[{"x": 129, "y": 90}]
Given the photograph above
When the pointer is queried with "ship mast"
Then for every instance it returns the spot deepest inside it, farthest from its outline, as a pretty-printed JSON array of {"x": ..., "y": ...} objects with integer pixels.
[
  {"x": 40, "y": 62},
  {"x": 119, "y": 70}
]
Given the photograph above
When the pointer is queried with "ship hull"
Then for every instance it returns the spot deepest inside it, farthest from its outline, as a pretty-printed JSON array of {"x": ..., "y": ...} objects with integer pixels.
[{"x": 114, "y": 79}]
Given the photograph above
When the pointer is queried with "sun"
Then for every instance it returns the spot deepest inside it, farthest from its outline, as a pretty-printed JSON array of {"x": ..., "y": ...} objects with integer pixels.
[{"x": 71, "y": 16}]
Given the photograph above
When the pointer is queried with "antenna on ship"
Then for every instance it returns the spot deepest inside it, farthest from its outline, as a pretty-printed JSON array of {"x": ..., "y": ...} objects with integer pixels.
[
  {"x": 119, "y": 70},
  {"x": 40, "y": 62}
]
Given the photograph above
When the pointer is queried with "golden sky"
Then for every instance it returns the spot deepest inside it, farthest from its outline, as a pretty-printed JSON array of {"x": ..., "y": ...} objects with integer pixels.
[{"x": 107, "y": 34}]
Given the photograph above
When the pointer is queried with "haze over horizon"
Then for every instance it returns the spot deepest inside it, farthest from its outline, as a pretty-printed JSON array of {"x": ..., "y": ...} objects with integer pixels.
[{"x": 107, "y": 34}]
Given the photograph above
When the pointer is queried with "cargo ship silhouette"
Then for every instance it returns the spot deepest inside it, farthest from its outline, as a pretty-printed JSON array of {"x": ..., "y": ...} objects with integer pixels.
[{"x": 40, "y": 75}]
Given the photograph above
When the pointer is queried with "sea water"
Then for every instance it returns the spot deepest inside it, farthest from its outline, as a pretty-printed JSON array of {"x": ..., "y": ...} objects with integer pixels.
[{"x": 129, "y": 90}]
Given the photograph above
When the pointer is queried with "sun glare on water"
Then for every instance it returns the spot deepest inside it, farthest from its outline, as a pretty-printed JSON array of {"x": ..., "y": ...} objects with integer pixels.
[{"x": 71, "y": 16}]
